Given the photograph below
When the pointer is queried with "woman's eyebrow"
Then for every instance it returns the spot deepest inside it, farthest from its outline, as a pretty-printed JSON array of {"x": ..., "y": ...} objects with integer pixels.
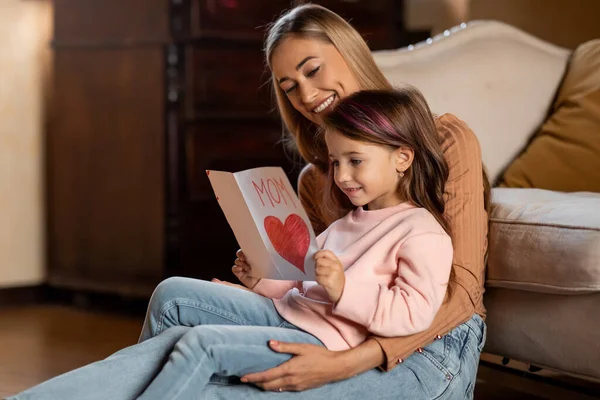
[{"x": 300, "y": 64}]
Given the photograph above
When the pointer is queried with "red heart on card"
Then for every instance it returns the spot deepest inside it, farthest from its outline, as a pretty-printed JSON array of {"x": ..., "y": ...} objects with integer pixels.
[{"x": 290, "y": 239}]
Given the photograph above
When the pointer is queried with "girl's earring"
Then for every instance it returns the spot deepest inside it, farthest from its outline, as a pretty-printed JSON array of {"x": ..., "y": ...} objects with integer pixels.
[{"x": 401, "y": 174}]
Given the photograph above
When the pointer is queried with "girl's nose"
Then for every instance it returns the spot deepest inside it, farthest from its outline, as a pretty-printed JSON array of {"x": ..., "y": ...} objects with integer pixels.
[{"x": 342, "y": 175}]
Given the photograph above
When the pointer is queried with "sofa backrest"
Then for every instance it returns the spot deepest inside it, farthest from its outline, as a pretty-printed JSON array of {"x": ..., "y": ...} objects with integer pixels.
[{"x": 497, "y": 78}]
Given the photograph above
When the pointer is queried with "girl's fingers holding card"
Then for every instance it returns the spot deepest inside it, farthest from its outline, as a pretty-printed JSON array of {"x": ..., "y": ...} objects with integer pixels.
[
  {"x": 325, "y": 254},
  {"x": 325, "y": 264},
  {"x": 240, "y": 254}
]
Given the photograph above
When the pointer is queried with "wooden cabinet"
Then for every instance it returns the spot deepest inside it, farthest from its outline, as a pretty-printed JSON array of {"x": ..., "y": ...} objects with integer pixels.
[{"x": 147, "y": 95}]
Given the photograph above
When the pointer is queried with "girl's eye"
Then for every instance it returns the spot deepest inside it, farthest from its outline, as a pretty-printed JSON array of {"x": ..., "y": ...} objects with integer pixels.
[
  {"x": 314, "y": 71},
  {"x": 335, "y": 163},
  {"x": 355, "y": 161}
]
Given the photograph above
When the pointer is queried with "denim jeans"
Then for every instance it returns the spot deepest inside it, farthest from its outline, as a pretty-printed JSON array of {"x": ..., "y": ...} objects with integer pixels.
[{"x": 446, "y": 369}]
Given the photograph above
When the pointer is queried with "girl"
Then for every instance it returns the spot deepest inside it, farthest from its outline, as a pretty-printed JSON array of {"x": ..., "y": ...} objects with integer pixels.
[{"x": 383, "y": 269}]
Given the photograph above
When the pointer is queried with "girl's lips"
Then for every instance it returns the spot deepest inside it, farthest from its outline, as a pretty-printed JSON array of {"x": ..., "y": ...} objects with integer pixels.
[{"x": 352, "y": 191}]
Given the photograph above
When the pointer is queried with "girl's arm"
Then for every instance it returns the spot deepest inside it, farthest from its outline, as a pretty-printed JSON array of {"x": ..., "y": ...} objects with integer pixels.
[{"x": 409, "y": 306}]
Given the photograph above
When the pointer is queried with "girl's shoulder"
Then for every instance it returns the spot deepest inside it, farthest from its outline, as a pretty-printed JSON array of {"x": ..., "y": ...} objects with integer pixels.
[{"x": 422, "y": 221}]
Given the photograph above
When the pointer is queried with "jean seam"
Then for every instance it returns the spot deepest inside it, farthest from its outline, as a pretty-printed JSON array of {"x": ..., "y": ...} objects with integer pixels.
[
  {"x": 196, "y": 305},
  {"x": 436, "y": 363},
  {"x": 454, "y": 378},
  {"x": 187, "y": 382},
  {"x": 462, "y": 361}
]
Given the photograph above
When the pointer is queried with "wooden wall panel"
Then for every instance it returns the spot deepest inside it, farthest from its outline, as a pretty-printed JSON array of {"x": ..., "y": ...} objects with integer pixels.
[
  {"x": 86, "y": 22},
  {"x": 106, "y": 161}
]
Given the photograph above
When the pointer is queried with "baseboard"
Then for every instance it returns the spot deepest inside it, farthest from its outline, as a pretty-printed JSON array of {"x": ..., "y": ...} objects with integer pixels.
[
  {"x": 83, "y": 299},
  {"x": 546, "y": 385},
  {"x": 23, "y": 295}
]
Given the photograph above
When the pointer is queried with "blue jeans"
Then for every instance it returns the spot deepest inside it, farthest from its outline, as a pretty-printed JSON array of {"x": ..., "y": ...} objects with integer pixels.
[{"x": 446, "y": 369}]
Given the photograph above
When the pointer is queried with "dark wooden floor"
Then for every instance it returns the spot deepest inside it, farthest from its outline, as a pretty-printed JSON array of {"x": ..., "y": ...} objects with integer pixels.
[{"x": 39, "y": 342}]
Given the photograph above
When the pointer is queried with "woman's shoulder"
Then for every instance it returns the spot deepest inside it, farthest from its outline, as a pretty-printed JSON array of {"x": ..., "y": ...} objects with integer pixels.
[
  {"x": 457, "y": 140},
  {"x": 454, "y": 131}
]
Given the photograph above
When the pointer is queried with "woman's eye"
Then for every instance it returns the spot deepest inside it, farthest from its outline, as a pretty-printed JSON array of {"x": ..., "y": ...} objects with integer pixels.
[
  {"x": 290, "y": 89},
  {"x": 314, "y": 71},
  {"x": 335, "y": 163},
  {"x": 355, "y": 162}
]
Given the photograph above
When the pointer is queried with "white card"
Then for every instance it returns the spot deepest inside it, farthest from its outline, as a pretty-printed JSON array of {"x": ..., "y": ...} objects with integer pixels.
[{"x": 268, "y": 221}]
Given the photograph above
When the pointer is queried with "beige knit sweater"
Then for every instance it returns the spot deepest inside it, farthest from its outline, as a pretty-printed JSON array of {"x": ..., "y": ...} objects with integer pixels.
[{"x": 465, "y": 211}]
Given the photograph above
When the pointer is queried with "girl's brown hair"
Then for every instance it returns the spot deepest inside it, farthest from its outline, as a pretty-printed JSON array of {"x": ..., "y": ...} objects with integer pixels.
[{"x": 394, "y": 119}]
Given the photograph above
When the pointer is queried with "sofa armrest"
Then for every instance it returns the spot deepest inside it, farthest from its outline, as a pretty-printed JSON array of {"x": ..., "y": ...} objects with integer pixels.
[{"x": 544, "y": 241}]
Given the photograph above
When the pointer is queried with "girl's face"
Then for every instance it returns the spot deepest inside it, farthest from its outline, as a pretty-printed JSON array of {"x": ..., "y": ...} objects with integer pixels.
[
  {"x": 367, "y": 173},
  {"x": 313, "y": 75}
]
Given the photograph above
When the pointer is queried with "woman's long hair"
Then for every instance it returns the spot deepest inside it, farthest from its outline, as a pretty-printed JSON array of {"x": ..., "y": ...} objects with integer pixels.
[
  {"x": 311, "y": 21},
  {"x": 394, "y": 119}
]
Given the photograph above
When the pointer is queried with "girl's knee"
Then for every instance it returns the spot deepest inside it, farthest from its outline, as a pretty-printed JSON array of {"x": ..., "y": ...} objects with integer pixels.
[{"x": 166, "y": 291}]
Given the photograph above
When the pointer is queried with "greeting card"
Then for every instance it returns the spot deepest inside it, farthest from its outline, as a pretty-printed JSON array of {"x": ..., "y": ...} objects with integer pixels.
[{"x": 268, "y": 221}]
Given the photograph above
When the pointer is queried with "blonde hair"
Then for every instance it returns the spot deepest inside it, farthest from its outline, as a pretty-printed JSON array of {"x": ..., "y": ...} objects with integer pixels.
[{"x": 311, "y": 21}]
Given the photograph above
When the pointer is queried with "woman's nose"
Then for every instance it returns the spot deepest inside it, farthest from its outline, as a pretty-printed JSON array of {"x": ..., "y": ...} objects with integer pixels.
[{"x": 308, "y": 93}]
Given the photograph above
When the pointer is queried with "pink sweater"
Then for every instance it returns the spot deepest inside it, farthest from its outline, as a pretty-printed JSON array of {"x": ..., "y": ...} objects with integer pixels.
[{"x": 397, "y": 262}]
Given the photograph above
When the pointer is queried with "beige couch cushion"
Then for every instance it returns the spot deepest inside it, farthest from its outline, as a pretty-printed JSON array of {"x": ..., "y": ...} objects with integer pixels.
[
  {"x": 564, "y": 155},
  {"x": 498, "y": 79},
  {"x": 544, "y": 241}
]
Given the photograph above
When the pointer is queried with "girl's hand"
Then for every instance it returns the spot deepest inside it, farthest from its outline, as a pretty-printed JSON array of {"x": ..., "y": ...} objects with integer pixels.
[
  {"x": 243, "y": 271},
  {"x": 330, "y": 274}
]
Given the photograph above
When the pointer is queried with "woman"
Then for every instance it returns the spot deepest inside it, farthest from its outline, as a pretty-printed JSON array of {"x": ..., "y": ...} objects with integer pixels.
[{"x": 316, "y": 58}]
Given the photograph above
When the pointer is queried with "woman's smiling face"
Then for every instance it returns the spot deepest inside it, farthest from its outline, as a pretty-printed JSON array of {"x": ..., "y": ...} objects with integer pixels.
[{"x": 313, "y": 75}]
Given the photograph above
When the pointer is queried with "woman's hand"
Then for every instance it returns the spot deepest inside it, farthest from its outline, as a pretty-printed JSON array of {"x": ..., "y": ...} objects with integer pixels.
[
  {"x": 330, "y": 274},
  {"x": 243, "y": 271},
  {"x": 313, "y": 366}
]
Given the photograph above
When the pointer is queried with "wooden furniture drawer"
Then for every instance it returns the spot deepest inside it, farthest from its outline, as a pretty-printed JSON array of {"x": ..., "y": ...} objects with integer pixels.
[
  {"x": 233, "y": 19},
  {"x": 229, "y": 146},
  {"x": 223, "y": 81},
  {"x": 374, "y": 19},
  {"x": 247, "y": 20}
]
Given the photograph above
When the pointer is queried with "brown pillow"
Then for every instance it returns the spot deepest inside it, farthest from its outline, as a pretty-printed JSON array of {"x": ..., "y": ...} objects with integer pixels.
[{"x": 564, "y": 155}]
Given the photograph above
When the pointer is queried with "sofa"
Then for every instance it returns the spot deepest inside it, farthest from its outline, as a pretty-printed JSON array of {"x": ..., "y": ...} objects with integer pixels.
[{"x": 543, "y": 265}]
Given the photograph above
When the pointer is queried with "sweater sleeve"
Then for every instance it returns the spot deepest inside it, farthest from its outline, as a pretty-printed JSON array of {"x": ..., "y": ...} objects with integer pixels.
[
  {"x": 275, "y": 289},
  {"x": 410, "y": 304},
  {"x": 468, "y": 221}
]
